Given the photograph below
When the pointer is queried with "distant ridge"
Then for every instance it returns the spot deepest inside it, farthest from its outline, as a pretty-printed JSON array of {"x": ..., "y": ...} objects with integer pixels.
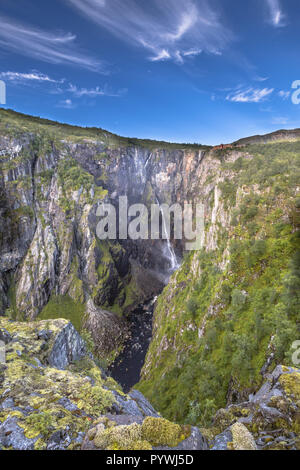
[
  {"x": 283, "y": 134},
  {"x": 97, "y": 132},
  {"x": 92, "y": 132}
]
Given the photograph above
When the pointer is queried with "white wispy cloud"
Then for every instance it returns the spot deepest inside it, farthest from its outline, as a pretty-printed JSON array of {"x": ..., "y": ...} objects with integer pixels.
[
  {"x": 261, "y": 79},
  {"x": 46, "y": 46},
  {"x": 284, "y": 94},
  {"x": 66, "y": 104},
  {"x": 94, "y": 92},
  {"x": 192, "y": 52},
  {"x": 162, "y": 55},
  {"x": 58, "y": 86},
  {"x": 280, "y": 120},
  {"x": 249, "y": 95},
  {"x": 167, "y": 29},
  {"x": 33, "y": 76},
  {"x": 277, "y": 17}
]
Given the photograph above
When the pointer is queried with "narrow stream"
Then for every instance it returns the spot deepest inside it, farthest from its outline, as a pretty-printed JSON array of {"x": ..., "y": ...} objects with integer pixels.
[{"x": 127, "y": 367}]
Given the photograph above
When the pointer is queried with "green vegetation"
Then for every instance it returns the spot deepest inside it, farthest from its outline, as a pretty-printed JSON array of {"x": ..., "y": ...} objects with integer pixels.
[
  {"x": 153, "y": 432},
  {"x": 274, "y": 165},
  {"x": 15, "y": 123},
  {"x": 64, "y": 307},
  {"x": 220, "y": 326},
  {"x": 72, "y": 177}
]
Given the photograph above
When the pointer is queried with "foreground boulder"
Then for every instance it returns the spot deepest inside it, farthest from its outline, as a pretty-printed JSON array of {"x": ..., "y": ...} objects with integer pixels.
[
  {"x": 129, "y": 433},
  {"x": 50, "y": 389},
  {"x": 271, "y": 416},
  {"x": 53, "y": 396},
  {"x": 52, "y": 393},
  {"x": 237, "y": 437}
]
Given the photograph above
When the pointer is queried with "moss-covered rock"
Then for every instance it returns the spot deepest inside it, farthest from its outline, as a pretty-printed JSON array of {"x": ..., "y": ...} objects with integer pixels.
[
  {"x": 52, "y": 391},
  {"x": 271, "y": 415},
  {"x": 136, "y": 433},
  {"x": 291, "y": 385},
  {"x": 160, "y": 432},
  {"x": 42, "y": 398},
  {"x": 242, "y": 439}
]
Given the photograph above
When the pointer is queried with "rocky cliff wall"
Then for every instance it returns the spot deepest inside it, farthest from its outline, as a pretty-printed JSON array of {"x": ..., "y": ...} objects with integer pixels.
[
  {"x": 228, "y": 315},
  {"x": 231, "y": 312},
  {"x": 52, "y": 262}
]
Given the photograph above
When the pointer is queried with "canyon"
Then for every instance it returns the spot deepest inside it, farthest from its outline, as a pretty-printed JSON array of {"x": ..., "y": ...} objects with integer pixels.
[{"x": 225, "y": 317}]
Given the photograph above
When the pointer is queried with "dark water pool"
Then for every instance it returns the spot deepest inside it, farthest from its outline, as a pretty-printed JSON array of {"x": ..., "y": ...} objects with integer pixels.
[{"x": 127, "y": 367}]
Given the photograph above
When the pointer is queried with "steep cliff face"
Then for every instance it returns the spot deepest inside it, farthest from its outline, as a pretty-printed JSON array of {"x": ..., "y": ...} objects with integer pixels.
[
  {"x": 231, "y": 312},
  {"x": 227, "y": 316},
  {"x": 53, "y": 179}
]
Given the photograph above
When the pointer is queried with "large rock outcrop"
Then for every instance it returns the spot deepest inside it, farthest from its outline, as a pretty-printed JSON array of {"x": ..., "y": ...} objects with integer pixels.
[
  {"x": 127, "y": 432},
  {"x": 52, "y": 392},
  {"x": 51, "y": 187},
  {"x": 271, "y": 416},
  {"x": 228, "y": 316}
]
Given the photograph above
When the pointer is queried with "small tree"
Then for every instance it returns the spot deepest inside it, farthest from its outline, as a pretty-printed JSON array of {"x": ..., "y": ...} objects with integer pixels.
[
  {"x": 192, "y": 306},
  {"x": 238, "y": 299}
]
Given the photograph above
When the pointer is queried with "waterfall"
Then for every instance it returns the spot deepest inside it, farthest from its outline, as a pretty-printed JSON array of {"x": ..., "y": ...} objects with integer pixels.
[
  {"x": 139, "y": 166},
  {"x": 170, "y": 250}
]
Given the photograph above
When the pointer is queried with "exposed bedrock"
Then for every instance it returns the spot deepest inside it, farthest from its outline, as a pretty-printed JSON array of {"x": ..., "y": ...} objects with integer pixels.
[{"x": 50, "y": 192}]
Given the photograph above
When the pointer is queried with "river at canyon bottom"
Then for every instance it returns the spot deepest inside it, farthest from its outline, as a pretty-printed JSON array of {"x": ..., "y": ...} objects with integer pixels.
[{"x": 126, "y": 369}]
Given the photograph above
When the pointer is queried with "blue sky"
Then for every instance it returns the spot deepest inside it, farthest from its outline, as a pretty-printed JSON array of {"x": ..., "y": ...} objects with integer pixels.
[{"x": 177, "y": 70}]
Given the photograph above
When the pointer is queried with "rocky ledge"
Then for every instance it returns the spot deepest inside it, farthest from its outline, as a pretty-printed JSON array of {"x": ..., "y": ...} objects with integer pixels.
[
  {"x": 54, "y": 396},
  {"x": 269, "y": 420}
]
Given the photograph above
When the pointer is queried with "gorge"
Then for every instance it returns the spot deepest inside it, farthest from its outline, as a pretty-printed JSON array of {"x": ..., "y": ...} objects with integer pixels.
[{"x": 225, "y": 317}]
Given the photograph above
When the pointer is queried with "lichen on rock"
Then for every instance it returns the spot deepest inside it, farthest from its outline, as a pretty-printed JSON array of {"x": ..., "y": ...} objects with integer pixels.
[
  {"x": 127, "y": 432},
  {"x": 52, "y": 391},
  {"x": 271, "y": 416},
  {"x": 242, "y": 439},
  {"x": 40, "y": 393}
]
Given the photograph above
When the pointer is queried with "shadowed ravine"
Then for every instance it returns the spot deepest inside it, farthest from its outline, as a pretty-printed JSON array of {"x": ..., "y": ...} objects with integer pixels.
[{"x": 127, "y": 367}]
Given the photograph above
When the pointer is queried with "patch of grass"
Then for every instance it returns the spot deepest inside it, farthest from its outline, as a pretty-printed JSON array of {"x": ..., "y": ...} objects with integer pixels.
[{"x": 64, "y": 307}]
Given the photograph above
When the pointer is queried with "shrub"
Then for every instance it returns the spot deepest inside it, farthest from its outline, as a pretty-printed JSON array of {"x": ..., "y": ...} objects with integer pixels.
[
  {"x": 192, "y": 306},
  {"x": 238, "y": 299},
  {"x": 259, "y": 248},
  {"x": 160, "y": 432},
  {"x": 241, "y": 360},
  {"x": 228, "y": 189},
  {"x": 225, "y": 295},
  {"x": 249, "y": 213},
  {"x": 201, "y": 414},
  {"x": 286, "y": 334}
]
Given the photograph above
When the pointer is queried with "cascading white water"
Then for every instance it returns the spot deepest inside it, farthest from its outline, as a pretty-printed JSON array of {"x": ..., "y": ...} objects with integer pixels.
[
  {"x": 140, "y": 168},
  {"x": 170, "y": 250}
]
